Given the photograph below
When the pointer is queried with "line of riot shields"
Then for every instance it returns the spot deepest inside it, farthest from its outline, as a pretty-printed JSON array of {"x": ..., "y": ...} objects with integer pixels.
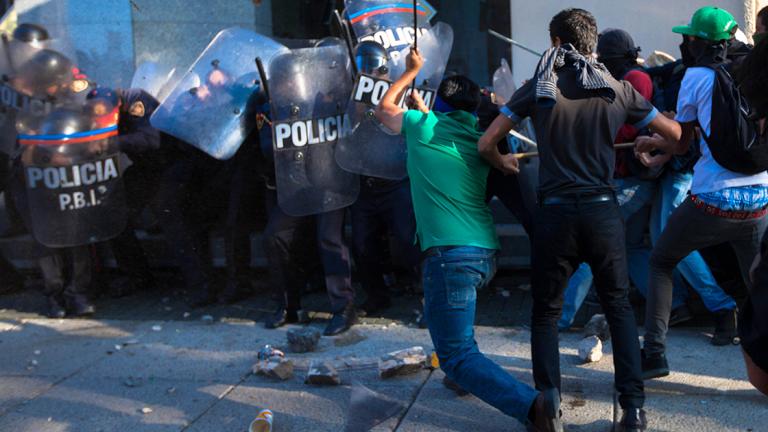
[{"x": 316, "y": 103}]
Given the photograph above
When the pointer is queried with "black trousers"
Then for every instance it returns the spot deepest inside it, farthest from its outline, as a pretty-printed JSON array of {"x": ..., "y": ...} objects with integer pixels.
[
  {"x": 66, "y": 272},
  {"x": 383, "y": 208},
  {"x": 288, "y": 245},
  {"x": 566, "y": 236},
  {"x": 512, "y": 193}
]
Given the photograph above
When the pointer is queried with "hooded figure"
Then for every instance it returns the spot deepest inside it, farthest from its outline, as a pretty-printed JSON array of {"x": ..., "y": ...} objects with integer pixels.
[{"x": 617, "y": 51}]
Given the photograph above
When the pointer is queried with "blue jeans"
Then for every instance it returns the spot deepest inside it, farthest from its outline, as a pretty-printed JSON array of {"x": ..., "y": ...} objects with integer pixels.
[
  {"x": 635, "y": 199},
  {"x": 674, "y": 187},
  {"x": 451, "y": 278}
]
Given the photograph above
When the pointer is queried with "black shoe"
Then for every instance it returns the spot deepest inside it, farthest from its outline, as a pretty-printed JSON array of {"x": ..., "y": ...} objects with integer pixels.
[
  {"x": 56, "y": 308},
  {"x": 454, "y": 386},
  {"x": 233, "y": 292},
  {"x": 679, "y": 315},
  {"x": 547, "y": 416},
  {"x": 341, "y": 321},
  {"x": 375, "y": 304},
  {"x": 632, "y": 420},
  {"x": 201, "y": 297},
  {"x": 282, "y": 317},
  {"x": 725, "y": 328},
  {"x": 78, "y": 305},
  {"x": 654, "y": 366}
]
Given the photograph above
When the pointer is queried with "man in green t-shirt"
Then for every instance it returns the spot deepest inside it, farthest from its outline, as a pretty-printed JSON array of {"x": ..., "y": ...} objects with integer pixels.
[{"x": 456, "y": 232}]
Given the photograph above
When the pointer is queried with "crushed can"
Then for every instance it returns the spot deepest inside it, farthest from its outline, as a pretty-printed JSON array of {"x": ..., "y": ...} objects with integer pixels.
[{"x": 262, "y": 422}]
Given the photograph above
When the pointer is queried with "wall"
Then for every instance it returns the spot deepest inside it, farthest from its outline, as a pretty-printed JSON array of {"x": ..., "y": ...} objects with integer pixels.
[{"x": 650, "y": 22}]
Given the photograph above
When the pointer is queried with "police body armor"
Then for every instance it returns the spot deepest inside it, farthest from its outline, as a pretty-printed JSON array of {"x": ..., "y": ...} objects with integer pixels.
[
  {"x": 309, "y": 89},
  {"x": 372, "y": 149},
  {"x": 207, "y": 108},
  {"x": 72, "y": 178}
]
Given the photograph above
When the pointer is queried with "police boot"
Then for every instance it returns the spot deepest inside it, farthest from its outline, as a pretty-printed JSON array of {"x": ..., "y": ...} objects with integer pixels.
[
  {"x": 341, "y": 321},
  {"x": 56, "y": 307},
  {"x": 79, "y": 305}
]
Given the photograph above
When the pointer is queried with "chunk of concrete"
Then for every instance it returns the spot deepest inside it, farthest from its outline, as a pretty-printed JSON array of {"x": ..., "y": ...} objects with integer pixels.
[
  {"x": 303, "y": 340},
  {"x": 591, "y": 349},
  {"x": 402, "y": 362},
  {"x": 275, "y": 367},
  {"x": 322, "y": 373}
]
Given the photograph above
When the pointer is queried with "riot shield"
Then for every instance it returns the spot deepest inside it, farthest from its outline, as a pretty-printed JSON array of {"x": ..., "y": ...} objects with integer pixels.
[
  {"x": 151, "y": 77},
  {"x": 309, "y": 89},
  {"x": 72, "y": 178},
  {"x": 371, "y": 149},
  {"x": 207, "y": 108},
  {"x": 388, "y": 23},
  {"x": 503, "y": 83}
]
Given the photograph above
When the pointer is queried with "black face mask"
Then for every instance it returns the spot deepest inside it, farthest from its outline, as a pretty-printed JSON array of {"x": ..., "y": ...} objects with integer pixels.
[
  {"x": 707, "y": 52},
  {"x": 688, "y": 59},
  {"x": 618, "y": 67}
]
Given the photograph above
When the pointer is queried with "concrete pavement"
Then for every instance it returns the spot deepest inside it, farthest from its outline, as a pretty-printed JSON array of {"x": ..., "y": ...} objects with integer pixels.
[{"x": 98, "y": 375}]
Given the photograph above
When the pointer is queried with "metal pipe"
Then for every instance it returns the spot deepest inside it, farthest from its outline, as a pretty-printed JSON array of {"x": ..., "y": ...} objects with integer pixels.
[{"x": 514, "y": 42}]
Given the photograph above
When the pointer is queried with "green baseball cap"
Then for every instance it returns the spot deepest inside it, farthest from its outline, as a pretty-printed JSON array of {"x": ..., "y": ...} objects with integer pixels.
[{"x": 711, "y": 23}]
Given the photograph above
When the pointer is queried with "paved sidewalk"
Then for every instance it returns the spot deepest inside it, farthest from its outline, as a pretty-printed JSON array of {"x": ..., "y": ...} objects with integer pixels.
[{"x": 98, "y": 375}]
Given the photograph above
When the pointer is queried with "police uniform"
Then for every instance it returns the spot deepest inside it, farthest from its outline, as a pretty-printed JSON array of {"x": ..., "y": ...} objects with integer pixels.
[{"x": 383, "y": 208}]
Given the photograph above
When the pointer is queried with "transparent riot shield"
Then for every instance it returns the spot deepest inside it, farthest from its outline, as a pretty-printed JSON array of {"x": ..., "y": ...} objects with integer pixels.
[
  {"x": 503, "y": 83},
  {"x": 151, "y": 77},
  {"x": 207, "y": 108},
  {"x": 72, "y": 178},
  {"x": 309, "y": 89},
  {"x": 372, "y": 149},
  {"x": 388, "y": 23}
]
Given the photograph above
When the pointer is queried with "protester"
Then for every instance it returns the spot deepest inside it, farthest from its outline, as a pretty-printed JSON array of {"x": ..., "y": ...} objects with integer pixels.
[
  {"x": 761, "y": 27},
  {"x": 636, "y": 184},
  {"x": 578, "y": 218},
  {"x": 753, "y": 326},
  {"x": 725, "y": 206},
  {"x": 457, "y": 235}
]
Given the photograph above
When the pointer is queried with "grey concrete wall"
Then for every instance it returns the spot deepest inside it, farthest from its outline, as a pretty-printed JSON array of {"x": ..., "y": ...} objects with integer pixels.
[
  {"x": 174, "y": 32},
  {"x": 99, "y": 30}
]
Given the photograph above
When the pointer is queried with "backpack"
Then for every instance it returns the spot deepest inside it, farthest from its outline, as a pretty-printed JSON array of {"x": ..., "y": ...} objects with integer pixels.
[{"x": 734, "y": 141}]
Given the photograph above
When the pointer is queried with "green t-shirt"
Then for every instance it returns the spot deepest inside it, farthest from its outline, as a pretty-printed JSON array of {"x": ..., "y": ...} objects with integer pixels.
[{"x": 448, "y": 180}]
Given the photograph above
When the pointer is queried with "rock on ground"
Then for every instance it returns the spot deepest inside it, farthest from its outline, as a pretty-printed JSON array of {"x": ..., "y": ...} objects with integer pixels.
[
  {"x": 591, "y": 349},
  {"x": 402, "y": 362}
]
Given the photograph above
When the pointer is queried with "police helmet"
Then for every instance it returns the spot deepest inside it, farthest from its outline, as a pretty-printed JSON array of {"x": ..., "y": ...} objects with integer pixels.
[
  {"x": 371, "y": 57},
  {"x": 47, "y": 72},
  {"x": 102, "y": 101},
  {"x": 329, "y": 41},
  {"x": 30, "y": 33}
]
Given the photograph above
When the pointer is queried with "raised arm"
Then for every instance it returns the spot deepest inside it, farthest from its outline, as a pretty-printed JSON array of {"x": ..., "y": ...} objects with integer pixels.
[{"x": 389, "y": 113}]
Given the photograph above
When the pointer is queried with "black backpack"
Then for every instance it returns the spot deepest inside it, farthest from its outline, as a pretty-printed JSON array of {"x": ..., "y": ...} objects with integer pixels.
[{"x": 734, "y": 140}]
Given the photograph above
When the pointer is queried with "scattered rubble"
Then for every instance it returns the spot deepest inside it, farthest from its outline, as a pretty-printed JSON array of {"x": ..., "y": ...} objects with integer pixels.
[
  {"x": 303, "y": 340},
  {"x": 598, "y": 326},
  {"x": 322, "y": 373},
  {"x": 132, "y": 382},
  {"x": 207, "y": 319},
  {"x": 349, "y": 338},
  {"x": 402, "y": 362},
  {"x": 273, "y": 364},
  {"x": 147, "y": 410},
  {"x": 157, "y": 328},
  {"x": 591, "y": 349}
]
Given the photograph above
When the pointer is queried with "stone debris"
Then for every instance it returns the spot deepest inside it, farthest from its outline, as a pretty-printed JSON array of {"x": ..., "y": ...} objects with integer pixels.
[
  {"x": 157, "y": 328},
  {"x": 170, "y": 391},
  {"x": 187, "y": 315},
  {"x": 591, "y": 349},
  {"x": 146, "y": 410},
  {"x": 37, "y": 352},
  {"x": 207, "y": 319},
  {"x": 402, "y": 362},
  {"x": 303, "y": 340},
  {"x": 322, "y": 373},
  {"x": 275, "y": 367},
  {"x": 598, "y": 326},
  {"x": 132, "y": 382}
]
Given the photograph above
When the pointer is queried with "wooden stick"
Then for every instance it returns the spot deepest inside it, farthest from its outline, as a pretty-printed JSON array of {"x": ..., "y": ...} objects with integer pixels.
[{"x": 620, "y": 146}]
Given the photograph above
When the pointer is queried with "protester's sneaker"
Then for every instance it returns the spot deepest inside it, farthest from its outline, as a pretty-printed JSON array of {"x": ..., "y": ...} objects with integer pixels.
[
  {"x": 654, "y": 365},
  {"x": 680, "y": 315},
  {"x": 725, "y": 328},
  {"x": 546, "y": 412},
  {"x": 632, "y": 420}
]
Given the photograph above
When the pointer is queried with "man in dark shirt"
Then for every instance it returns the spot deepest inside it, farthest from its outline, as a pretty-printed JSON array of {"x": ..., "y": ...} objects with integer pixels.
[{"x": 577, "y": 109}]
